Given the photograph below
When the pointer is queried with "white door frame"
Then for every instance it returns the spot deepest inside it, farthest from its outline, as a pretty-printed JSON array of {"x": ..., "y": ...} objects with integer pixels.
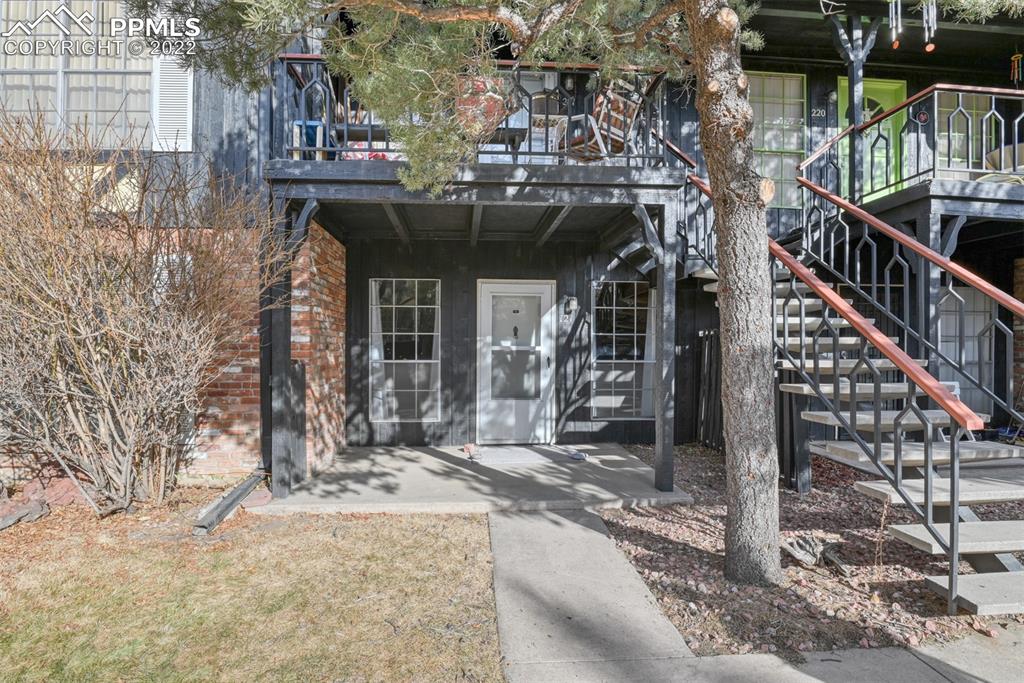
[{"x": 545, "y": 432}]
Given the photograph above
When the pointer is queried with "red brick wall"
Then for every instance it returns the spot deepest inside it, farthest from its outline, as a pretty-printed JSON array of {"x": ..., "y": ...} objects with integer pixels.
[
  {"x": 228, "y": 431},
  {"x": 228, "y": 439},
  {"x": 318, "y": 339},
  {"x": 1018, "y": 326}
]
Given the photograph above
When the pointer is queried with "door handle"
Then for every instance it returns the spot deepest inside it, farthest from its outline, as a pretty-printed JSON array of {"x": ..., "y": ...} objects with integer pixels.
[{"x": 549, "y": 362}]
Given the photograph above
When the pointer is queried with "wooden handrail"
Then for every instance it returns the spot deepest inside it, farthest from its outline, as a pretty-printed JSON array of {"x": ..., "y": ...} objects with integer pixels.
[
  {"x": 824, "y": 148},
  {"x": 947, "y": 87},
  {"x": 675, "y": 150},
  {"x": 914, "y": 372},
  {"x": 956, "y": 270},
  {"x": 701, "y": 185}
]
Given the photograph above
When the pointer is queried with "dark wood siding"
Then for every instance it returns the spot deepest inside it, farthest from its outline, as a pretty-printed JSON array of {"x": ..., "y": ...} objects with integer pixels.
[{"x": 573, "y": 267}]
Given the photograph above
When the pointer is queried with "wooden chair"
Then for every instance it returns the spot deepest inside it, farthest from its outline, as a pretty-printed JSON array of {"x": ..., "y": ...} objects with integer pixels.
[{"x": 608, "y": 130}]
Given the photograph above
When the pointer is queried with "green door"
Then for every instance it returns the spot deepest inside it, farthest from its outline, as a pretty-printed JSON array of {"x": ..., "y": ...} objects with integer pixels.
[{"x": 882, "y": 161}]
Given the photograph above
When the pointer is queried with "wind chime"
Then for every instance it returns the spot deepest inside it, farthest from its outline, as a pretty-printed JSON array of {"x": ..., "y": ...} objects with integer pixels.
[
  {"x": 1015, "y": 69},
  {"x": 929, "y": 17}
]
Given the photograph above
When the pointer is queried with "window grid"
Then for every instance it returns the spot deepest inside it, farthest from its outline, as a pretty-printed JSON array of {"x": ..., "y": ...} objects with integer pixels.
[
  {"x": 779, "y": 104},
  {"x": 110, "y": 95},
  {"x": 622, "y": 385},
  {"x": 405, "y": 364}
]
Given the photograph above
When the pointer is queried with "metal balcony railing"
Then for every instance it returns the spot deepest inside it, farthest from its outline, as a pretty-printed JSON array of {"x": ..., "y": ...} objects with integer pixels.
[
  {"x": 946, "y": 132},
  {"x": 547, "y": 114}
]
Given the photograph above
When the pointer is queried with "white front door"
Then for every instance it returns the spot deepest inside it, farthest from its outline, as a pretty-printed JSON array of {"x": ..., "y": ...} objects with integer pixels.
[{"x": 515, "y": 361}]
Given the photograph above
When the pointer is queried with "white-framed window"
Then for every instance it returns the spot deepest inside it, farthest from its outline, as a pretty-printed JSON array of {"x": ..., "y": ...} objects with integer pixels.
[
  {"x": 622, "y": 349},
  {"x": 405, "y": 350},
  {"x": 114, "y": 94},
  {"x": 780, "y": 124}
]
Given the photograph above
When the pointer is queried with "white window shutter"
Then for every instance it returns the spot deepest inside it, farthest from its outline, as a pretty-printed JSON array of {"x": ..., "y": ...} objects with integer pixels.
[{"x": 172, "y": 106}]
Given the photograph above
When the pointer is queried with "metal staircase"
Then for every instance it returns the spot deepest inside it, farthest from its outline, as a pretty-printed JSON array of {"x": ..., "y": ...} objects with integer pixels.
[{"x": 877, "y": 394}]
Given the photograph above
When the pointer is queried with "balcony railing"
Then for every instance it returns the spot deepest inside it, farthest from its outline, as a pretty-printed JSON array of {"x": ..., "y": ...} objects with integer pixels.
[
  {"x": 950, "y": 132},
  {"x": 551, "y": 114}
]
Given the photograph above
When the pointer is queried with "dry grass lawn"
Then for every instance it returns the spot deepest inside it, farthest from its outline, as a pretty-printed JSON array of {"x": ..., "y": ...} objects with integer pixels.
[{"x": 332, "y": 598}]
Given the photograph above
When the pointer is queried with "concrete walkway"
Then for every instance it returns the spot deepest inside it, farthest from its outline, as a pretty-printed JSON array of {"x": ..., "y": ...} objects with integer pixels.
[
  {"x": 441, "y": 480},
  {"x": 572, "y": 608},
  {"x": 975, "y": 659},
  {"x": 570, "y": 605}
]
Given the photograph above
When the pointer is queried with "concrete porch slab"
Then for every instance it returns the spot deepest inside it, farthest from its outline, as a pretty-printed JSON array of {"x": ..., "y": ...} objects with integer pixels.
[{"x": 442, "y": 480}]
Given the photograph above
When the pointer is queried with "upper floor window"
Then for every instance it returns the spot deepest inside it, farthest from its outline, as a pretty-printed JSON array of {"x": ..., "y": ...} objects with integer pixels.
[
  {"x": 92, "y": 81},
  {"x": 779, "y": 106},
  {"x": 405, "y": 350},
  {"x": 623, "y": 351}
]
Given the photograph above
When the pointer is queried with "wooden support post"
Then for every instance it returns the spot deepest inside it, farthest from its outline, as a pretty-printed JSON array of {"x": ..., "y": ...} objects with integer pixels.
[
  {"x": 276, "y": 394},
  {"x": 282, "y": 386},
  {"x": 854, "y": 46},
  {"x": 665, "y": 350}
]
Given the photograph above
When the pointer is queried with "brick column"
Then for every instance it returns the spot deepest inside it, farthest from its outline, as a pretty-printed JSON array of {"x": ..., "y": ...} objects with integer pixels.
[{"x": 1018, "y": 326}]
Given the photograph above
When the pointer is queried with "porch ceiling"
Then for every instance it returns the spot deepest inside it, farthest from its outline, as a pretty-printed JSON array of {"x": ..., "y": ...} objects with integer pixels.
[
  {"x": 961, "y": 47},
  {"x": 539, "y": 204},
  {"x": 496, "y": 222}
]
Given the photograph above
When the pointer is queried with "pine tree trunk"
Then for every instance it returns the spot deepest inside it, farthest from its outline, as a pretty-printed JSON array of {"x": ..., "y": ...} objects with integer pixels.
[{"x": 744, "y": 295}]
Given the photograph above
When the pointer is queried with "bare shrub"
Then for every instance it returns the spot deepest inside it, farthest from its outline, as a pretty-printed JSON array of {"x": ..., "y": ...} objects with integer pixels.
[{"x": 127, "y": 278}]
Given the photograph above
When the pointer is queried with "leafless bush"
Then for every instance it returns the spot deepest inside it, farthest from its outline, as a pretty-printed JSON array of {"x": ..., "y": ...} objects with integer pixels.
[{"x": 126, "y": 279}]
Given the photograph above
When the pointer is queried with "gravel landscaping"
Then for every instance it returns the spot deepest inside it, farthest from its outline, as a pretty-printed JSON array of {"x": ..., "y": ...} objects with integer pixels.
[{"x": 679, "y": 552}]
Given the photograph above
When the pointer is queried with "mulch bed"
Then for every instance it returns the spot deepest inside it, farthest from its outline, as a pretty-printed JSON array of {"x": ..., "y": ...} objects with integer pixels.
[{"x": 678, "y": 550}]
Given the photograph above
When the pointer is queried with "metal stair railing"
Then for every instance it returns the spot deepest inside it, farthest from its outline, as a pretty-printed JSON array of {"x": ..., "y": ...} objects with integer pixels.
[
  {"x": 846, "y": 241},
  {"x": 808, "y": 363}
]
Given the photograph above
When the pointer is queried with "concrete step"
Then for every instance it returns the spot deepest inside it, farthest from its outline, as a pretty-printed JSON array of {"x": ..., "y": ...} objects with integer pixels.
[
  {"x": 826, "y": 366},
  {"x": 888, "y": 391},
  {"x": 973, "y": 490},
  {"x": 975, "y": 537},
  {"x": 825, "y": 344},
  {"x": 866, "y": 419},
  {"x": 913, "y": 453},
  {"x": 996, "y": 593}
]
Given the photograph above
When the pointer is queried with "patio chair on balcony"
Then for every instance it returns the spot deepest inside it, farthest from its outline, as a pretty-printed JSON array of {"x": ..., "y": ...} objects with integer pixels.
[{"x": 610, "y": 129}]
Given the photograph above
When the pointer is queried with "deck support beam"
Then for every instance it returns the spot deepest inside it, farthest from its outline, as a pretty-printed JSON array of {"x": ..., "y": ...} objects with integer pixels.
[
  {"x": 397, "y": 217},
  {"x": 665, "y": 347},
  {"x": 282, "y": 385},
  {"x": 549, "y": 223}
]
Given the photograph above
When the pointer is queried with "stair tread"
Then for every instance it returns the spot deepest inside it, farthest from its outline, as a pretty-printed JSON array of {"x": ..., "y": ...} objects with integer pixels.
[
  {"x": 866, "y": 418},
  {"x": 781, "y": 288},
  {"x": 811, "y": 323},
  {"x": 913, "y": 453},
  {"x": 825, "y": 365},
  {"x": 995, "y": 593},
  {"x": 973, "y": 490},
  {"x": 1004, "y": 536},
  {"x": 865, "y": 390}
]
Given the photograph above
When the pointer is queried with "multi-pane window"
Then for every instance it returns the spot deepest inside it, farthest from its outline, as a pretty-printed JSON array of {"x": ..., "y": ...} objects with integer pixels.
[
  {"x": 779, "y": 122},
  {"x": 623, "y": 351},
  {"x": 107, "y": 92},
  {"x": 968, "y": 124},
  {"x": 405, "y": 360}
]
